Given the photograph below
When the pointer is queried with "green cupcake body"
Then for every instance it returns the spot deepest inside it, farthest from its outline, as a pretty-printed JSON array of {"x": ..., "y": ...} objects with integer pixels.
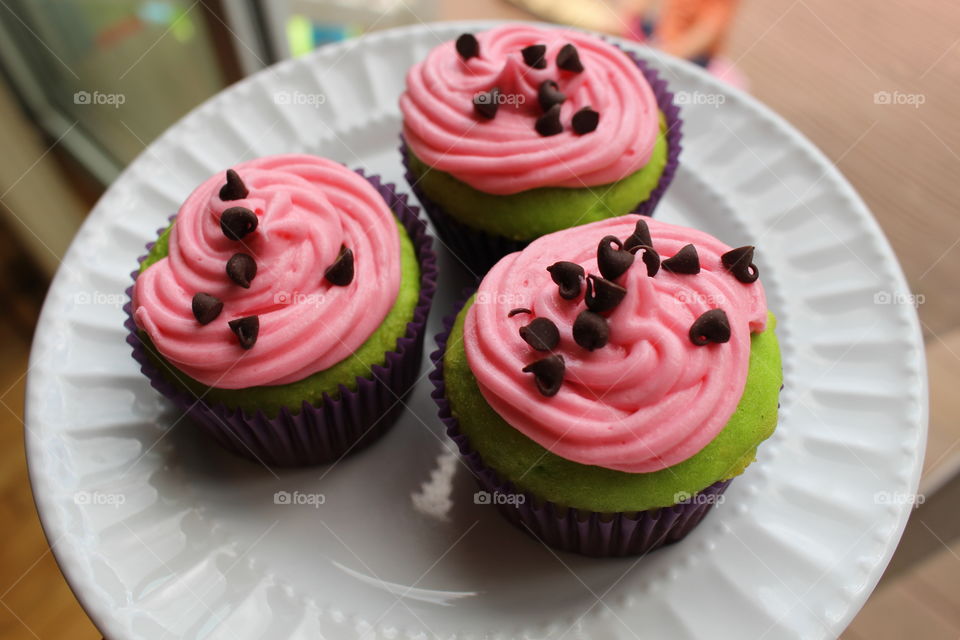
[
  {"x": 271, "y": 399},
  {"x": 532, "y": 468},
  {"x": 536, "y": 212}
]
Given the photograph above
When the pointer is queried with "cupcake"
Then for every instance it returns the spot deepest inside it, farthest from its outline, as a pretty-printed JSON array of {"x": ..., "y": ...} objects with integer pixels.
[
  {"x": 521, "y": 131},
  {"x": 607, "y": 383},
  {"x": 284, "y": 308}
]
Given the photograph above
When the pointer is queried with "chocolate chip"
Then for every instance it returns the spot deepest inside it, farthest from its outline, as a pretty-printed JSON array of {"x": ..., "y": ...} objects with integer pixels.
[
  {"x": 234, "y": 189},
  {"x": 602, "y": 295},
  {"x": 206, "y": 308},
  {"x": 467, "y": 46},
  {"x": 684, "y": 261},
  {"x": 712, "y": 326},
  {"x": 568, "y": 59},
  {"x": 549, "y": 94},
  {"x": 612, "y": 263},
  {"x": 237, "y": 222},
  {"x": 246, "y": 329},
  {"x": 541, "y": 334},
  {"x": 517, "y": 311},
  {"x": 739, "y": 262},
  {"x": 650, "y": 258},
  {"x": 486, "y": 104},
  {"x": 640, "y": 236},
  {"x": 548, "y": 373},
  {"x": 585, "y": 120},
  {"x": 549, "y": 123},
  {"x": 535, "y": 56},
  {"x": 590, "y": 330},
  {"x": 242, "y": 269},
  {"x": 568, "y": 276},
  {"x": 340, "y": 273}
]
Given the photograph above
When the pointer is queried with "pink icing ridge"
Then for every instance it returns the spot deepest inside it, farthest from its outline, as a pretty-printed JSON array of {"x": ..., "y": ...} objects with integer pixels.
[
  {"x": 506, "y": 155},
  {"x": 308, "y": 207},
  {"x": 647, "y": 400}
]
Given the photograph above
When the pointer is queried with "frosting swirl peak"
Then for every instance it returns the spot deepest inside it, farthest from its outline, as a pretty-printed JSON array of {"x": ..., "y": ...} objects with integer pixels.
[
  {"x": 505, "y": 154},
  {"x": 647, "y": 398},
  {"x": 308, "y": 209}
]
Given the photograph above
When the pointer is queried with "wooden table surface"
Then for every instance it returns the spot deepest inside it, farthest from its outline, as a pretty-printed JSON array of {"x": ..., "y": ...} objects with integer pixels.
[{"x": 820, "y": 64}]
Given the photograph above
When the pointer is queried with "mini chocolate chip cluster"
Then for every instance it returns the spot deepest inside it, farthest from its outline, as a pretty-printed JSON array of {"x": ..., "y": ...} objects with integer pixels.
[
  {"x": 542, "y": 335},
  {"x": 236, "y": 223},
  {"x": 602, "y": 294},
  {"x": 549, "y": 96}
]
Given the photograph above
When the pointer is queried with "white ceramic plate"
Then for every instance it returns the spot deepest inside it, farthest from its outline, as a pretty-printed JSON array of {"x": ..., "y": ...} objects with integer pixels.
[{"x": 161, "y": 534}]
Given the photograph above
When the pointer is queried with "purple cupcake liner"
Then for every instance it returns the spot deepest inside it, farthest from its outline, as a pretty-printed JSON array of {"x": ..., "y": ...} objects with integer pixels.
[
  {"x": 479, "y": 250},
  {"x": 671, "y": 112},
  {"x": 582, "y": 531},
  {"x": 338, "y": 425}
]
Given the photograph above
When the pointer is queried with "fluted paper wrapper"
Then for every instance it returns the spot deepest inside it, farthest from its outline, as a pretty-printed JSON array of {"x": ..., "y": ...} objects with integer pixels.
[
  {"x": 315, "y": 434},
  {"x": 580, "y": 531},
  {"x": 479, "y": 250}
]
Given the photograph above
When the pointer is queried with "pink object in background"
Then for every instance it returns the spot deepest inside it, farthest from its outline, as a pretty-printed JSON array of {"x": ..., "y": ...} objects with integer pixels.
[{"x": 724, "y": 69}]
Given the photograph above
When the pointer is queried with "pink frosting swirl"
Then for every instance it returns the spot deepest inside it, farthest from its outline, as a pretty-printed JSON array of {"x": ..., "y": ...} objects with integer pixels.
[
  {"x": 650, "y": 398},
  {"x": 307, "y": 208},
  {"x": 506, "y": 155}
]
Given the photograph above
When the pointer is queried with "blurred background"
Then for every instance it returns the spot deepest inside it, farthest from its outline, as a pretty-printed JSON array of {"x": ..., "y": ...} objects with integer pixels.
[{"x": 85, "y": 85}]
